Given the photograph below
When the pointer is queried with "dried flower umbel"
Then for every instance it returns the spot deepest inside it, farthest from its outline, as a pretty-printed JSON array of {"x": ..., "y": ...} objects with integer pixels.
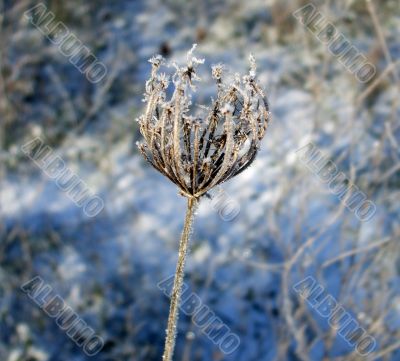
[{"x": 199, "y": 153}]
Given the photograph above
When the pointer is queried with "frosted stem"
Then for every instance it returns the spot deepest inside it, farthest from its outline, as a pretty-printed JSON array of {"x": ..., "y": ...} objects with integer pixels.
[{"x": 178, "y": 282}]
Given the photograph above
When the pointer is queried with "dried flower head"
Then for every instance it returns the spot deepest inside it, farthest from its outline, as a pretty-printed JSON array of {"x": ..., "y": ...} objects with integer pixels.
[{"x": 200, "y": 153}]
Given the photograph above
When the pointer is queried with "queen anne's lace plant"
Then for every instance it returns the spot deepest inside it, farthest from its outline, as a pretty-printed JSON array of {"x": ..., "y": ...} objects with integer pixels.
[{"x": 199, "y": 153}]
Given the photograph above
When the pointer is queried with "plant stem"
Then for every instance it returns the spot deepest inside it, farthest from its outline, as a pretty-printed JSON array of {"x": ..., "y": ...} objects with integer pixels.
[{"x": 178, "y": 282}]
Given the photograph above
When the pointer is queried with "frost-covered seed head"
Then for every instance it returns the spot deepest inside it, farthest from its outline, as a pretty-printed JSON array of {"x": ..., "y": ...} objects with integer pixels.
[{"x": 198, "y": 154}]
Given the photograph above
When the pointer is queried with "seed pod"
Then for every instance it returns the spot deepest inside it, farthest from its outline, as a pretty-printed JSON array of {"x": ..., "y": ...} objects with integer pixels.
[{"x": 198, "y": 154}]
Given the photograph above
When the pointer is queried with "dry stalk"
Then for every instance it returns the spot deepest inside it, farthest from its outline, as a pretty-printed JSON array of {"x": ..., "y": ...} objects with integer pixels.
[{"x": 197, "y": 153}]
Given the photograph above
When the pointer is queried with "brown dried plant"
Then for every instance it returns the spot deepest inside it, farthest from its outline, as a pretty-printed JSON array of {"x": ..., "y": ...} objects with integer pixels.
[{"x": 198, "y": 153}]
